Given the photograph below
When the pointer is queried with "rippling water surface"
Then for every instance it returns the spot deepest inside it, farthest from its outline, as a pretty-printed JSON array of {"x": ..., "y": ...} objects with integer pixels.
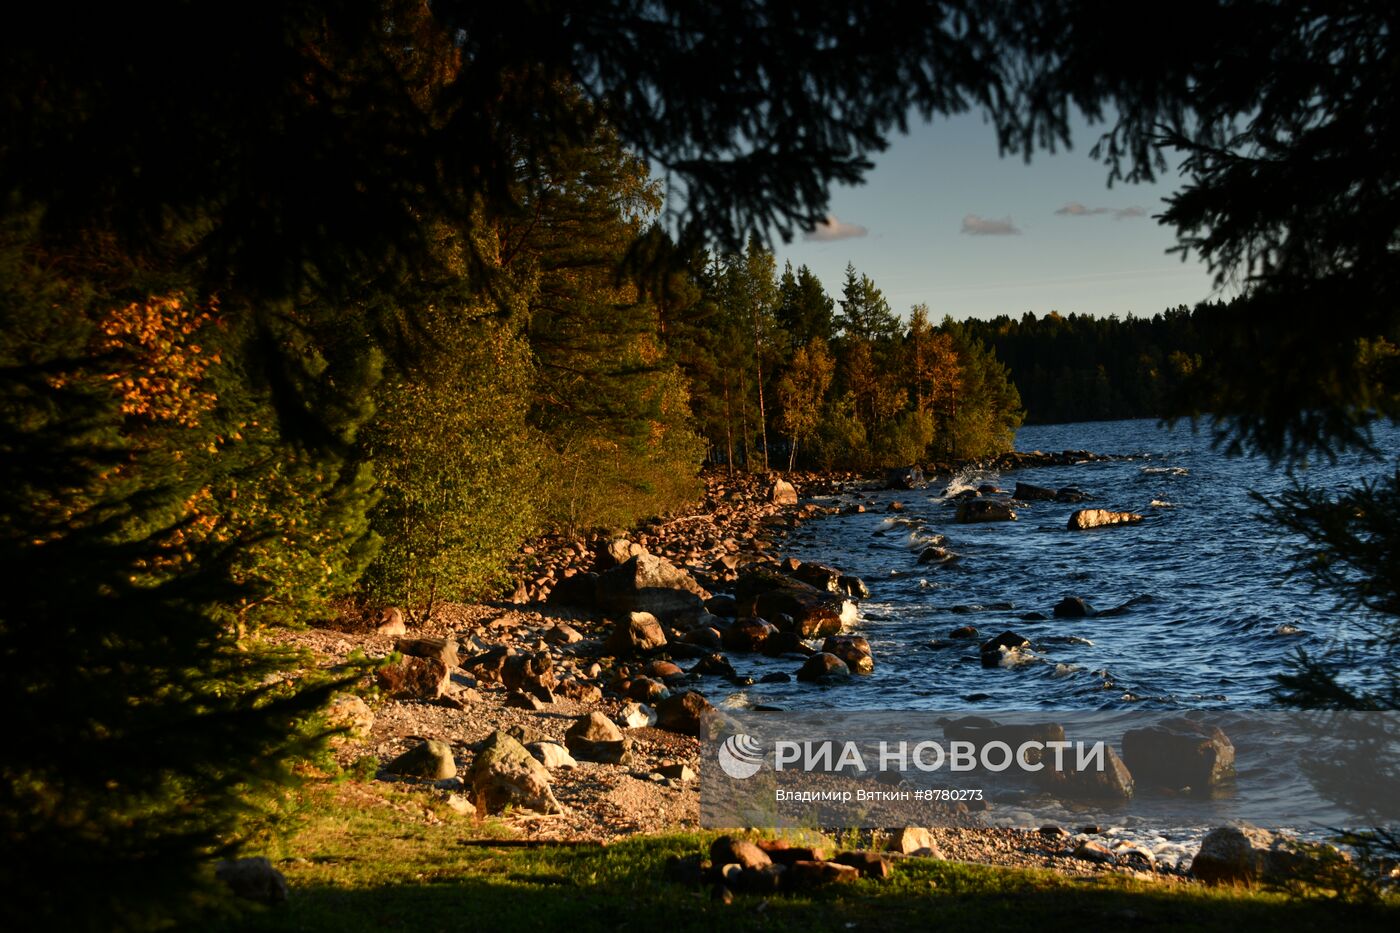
[{"x": 1216, "y": 612}]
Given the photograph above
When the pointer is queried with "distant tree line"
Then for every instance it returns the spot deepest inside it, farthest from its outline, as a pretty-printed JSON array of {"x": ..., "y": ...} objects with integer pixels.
[{"x": 1077, "y": 367}]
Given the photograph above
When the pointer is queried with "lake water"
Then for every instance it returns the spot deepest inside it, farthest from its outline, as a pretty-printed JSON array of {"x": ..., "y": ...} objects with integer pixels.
[{"x": 1217, "y": 612}]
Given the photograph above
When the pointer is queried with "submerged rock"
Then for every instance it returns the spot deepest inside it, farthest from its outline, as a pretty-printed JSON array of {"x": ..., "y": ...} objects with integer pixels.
[
  {"x": 1073, "y": 607},
  {"x": 994, "y": 650},
  {"x": 1029, "y": 492},
  {"x": 910, "y": 477},
  {"x": 975, "y": 511},
  {"x": 823, "y": 667},
  {"x": 1083, "y": 519}
]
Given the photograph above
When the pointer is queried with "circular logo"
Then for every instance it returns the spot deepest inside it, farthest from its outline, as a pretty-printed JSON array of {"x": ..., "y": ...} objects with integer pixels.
[{"x": 740, "y": 756}]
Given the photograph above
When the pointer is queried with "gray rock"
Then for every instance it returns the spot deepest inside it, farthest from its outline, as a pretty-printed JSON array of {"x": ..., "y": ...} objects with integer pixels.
[
  {"x": 1091, "y": 850},
  {"x": 782, "y": 493},
  {"x": 430, "y": 759},
  {"x": 640, "y": 632},
  {"x": 414, "y": 679},
  {"x": 349, "y": 712},
  {"x": 595, "y": 737},
  {"x": 726, "y": 850},
  {"x": 646, "y": 583},
  {"x": 995, "y": 650},
  {"x": 505, "y": 774},
  {"x": 1246, "y": 855},
  {"x": 441, "y": 649},
  {"x": 552, "y": 755},
  {"x": 561, "y": 633},
  {"x": 914, "y": 840},
  {"x": 638, "y": 715},
  {"x": 813, "y": 613},
  {"x": 910, "y": 477},
  {"x": 684, "y": 713},
  {"x": 253, "y": 879}
]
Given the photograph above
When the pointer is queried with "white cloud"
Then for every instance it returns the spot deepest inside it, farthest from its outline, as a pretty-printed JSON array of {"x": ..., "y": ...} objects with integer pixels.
[
  {"x": 1075, "y": 209},
  {"x": 985, "y": 226},
  {"x": 833, "y": 229}
]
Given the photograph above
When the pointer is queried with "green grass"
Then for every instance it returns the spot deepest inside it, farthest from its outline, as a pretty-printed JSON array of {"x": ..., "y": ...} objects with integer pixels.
[{"x": 358, "y": 865}]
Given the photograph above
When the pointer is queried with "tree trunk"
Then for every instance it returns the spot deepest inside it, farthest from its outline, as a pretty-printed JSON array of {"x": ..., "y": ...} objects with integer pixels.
[
  {"x": 728, "y": 431},
  {"x": 758, "y": 367},
  {"x": 792, "y": 454}
]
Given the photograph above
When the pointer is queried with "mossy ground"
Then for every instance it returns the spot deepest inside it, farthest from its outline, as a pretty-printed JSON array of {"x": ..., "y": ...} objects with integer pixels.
[{"x": 360, "y": 861}]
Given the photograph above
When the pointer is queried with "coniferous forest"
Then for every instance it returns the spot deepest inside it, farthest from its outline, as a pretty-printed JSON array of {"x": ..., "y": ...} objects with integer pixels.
[{"x": 336, "y": 303}]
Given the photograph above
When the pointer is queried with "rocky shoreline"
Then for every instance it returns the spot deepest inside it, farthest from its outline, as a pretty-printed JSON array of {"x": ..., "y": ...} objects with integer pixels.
[{"x": 571, "y": 711}]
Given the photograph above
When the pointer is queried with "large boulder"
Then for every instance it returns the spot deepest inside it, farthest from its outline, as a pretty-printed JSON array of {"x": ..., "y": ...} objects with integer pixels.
[
  {"x": 595, "y": 737},
  {"x": 505, "y": 774},
  {"x": 414, "y": 679},
  {"x": 441, "y": 649},
  {"x": 1245, "y": 855},
  {"x": 1112, "y": 781},
  {"x": 638, "y": 633},
  {"x": 975, "y": 511},
  {"x": 683, "y": 712},
  {"x": 430, "y": 759},
  {"x": 771, "y": 595},
  {"x": 1083, "y": 519},
  {"x": 782, "y": 493},
  {"x": 579, "y": 590},
  {"x": 1179, "y": 753},
  {"x": 647, "y": 583}
]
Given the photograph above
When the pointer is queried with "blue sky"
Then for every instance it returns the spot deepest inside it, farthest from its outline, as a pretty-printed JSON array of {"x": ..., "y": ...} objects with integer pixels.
[{"x": 936, "y": 212}]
